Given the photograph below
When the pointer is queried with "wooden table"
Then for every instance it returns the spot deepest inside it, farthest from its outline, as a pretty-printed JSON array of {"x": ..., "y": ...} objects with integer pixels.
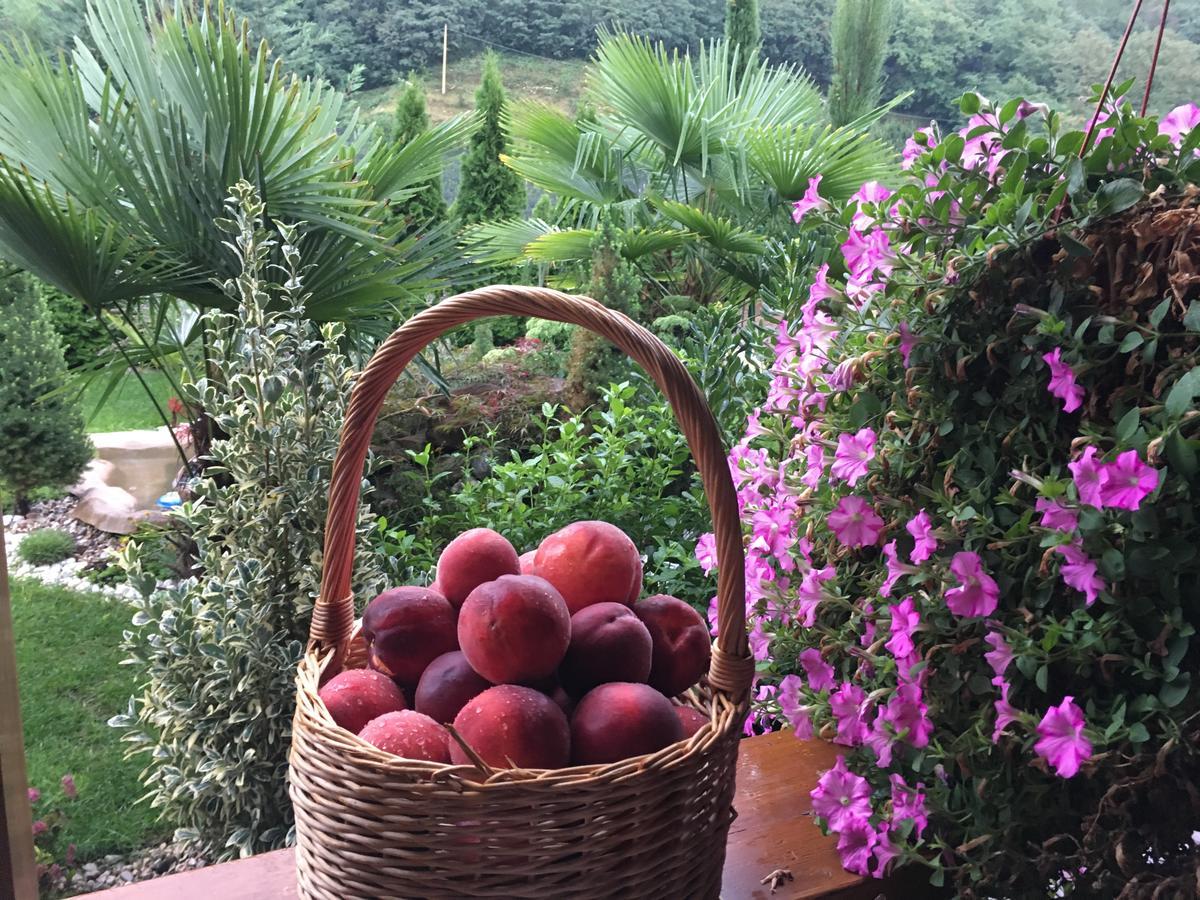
[{"x": 773, "y": 831}]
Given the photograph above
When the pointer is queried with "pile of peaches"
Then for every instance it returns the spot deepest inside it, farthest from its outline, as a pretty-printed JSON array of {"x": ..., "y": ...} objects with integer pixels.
[{"x": 535, "y": 662}]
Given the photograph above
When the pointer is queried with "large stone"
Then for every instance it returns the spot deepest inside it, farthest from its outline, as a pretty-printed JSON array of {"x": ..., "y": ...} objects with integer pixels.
[{"x": 108, "y": 508}]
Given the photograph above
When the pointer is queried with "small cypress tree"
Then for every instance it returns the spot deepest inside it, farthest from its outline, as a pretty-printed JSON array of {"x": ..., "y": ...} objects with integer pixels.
[
  {"x": 42, "y": 439},
  {"x": 859, "y": 39},
  {"x": 489, "y": 190},
  {"x": 743, "y": 29},
  {"x": 427, "y": 206}
]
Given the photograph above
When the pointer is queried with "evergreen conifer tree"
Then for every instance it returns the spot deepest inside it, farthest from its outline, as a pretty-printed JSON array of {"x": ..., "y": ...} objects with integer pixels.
[
  {"x": 427, "y": 206},
  {"x": 42, "y": 439},
  {"x": 488, "y": 190},
  {"x": 859, "y": 39},
  {"x": 743, "y": 28}
]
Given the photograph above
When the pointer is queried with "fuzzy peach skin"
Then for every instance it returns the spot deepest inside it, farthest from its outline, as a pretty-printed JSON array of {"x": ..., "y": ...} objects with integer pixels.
[
  {"x": 471, "y": 559},
  {"x": 514, "y": 630},
  {"x": 409, "y": 734},
  {"x": 591, "y": 562},
  {"x": 356, "y": 696},
  {"x": 681, "y": 643},
  {"x": 513, "y": 727},
  {"x": 526, "y": 562},
  {"x": 619, "y": 720},
  {"x": 608, "y": 643},
  {"x": 405, "y": 629},
  {"x": 446, "y": 685}
]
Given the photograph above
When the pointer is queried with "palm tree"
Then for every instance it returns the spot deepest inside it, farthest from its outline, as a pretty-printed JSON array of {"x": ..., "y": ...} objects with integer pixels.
[
  {"x": 700, "y": 157},
  {"x": 115, "y": 165}
]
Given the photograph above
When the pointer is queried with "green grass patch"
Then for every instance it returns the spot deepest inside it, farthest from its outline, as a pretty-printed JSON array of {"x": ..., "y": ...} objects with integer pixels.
[
  {"x": 68, "y": 655},
  {"x": 128, "y": 407}
]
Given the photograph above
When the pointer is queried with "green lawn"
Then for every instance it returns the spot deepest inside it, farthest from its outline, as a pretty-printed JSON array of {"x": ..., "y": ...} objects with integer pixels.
[
  {"x": 68, "y": 655},
  {"x": 127, "y": 407}
]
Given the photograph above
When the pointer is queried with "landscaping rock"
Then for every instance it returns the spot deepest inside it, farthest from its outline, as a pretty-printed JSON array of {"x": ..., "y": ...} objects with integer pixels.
[{"x": 155, "y": 861}]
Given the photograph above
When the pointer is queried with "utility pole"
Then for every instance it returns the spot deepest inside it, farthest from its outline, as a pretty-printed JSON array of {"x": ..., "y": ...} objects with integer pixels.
[
  {"x": 445, "y": 53},
  {"x": 18, "y": 877}
]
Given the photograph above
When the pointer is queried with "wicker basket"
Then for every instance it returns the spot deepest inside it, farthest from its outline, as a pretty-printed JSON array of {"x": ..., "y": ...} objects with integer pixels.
[{"x": 369, "y": 824}]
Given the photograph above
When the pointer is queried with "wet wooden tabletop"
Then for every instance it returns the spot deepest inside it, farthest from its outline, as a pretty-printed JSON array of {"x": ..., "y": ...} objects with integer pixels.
[{"x": 773, "y": 831}]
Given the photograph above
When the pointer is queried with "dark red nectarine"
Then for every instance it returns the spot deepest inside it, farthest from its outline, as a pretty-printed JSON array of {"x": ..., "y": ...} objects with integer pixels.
[
  {"x": 515, "y": 629},
  {"x": 471, "y": 559},
  {"x": 681, "y": 643},
  {"x": 409, "y": 734},
  {"x": 591, "y": 562},
  {"x": 446, "y": 685},
  {"x": 619, "y": 720},
  {"x": 405, "y": 629},
  {"x": 513, "y": 727},
  {"x": 356, "y": 696},
  {"x": 691, "y": 719},
  {"x": 608, "y": 643}
]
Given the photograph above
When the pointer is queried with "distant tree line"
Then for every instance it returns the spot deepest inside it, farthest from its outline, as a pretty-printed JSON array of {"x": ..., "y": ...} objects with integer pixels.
[{"x": 1046, "y": 50}]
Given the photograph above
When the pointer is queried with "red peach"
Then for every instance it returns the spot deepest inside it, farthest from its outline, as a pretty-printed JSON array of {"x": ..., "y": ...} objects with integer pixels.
[
  {"x": 409, "y": 734},
  {"x": 619, "y": 720},
  {"x": 526, "y": 562},
  {"x": 591, "y": 562},
  {"x": 608, "y": 643},
  {"x": 356, "y": 696},
  {"x": 564, "y": 700},
  {"x": 446, "y": 685},
  {"x": 681, "y": 643},
  {"x": 513, "y": 727},
  {"x": 515, "y": 629},
  {"x": 471, "y": 559},
  {"x": 691, "y": 719},
  {"x": 405, "y": 629}
]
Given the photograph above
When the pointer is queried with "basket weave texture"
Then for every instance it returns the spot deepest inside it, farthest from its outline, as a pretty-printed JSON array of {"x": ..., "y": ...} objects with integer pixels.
[{"x": 373, "y": 825}]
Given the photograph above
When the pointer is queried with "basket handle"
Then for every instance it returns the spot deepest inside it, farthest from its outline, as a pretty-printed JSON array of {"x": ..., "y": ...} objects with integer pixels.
[{"x": 732, "y": 668}]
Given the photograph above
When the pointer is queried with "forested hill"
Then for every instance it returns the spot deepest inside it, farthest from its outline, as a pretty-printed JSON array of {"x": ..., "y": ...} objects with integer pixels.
[{"x": 1047, "y": 50}]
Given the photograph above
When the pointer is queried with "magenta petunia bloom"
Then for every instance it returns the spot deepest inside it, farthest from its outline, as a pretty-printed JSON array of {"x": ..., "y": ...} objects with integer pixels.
[
  {"x": 819, "y": 672},
  {"x": 853, "y": 456},
  {"x": 820, "y": 289},
  {"x": 856, "y": 843},
  {"x": 977, "y": 593},
  {"x": 809, "y": 595},
  {"x": 1179, "y": 122},
  {"x": 1061, "y": 742},
  {"x": 1128, "y": 481},
  {"x": 1062, "y": 381},
  {"x": 881, "y": 740},
  {"x": 848, "y": 705},
  {"x": 870, "y": 192},
  {"x": 1057, "y": 516},
  {"x": 909, "y": 803},
  {"x": 814, "y": 470},
  {"x": 760, "y": 642},
  {"x": 712, "y": 616},
  {"x": 1089, "y": 477},
  {"x": 771, "y": 532},
  {"x": 1000, "y": 657},
  {"x": 912, "y": 150},
  {"x": 810, "y": 201},
  {"x": 895, "y": 569},
  {"x": 908, "y": 341},
  {"x": 906, "y": 712},
  {"x": 706, "y": 552},
  {"x": 1006, "y": 713},
  {"x": 922, "y": 531},
  {"x": 841, "y": 797},
  {"x": 905, "y": 621},
  {"x": 885, "y": 851},
  {"x": 854, "y": 523},
  {"x": 1079, "y": 571}
]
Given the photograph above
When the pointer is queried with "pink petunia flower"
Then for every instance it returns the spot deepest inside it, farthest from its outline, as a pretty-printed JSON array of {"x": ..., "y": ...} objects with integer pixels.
[
  {"x": 1062, "y": 381},
  {"x": 870, "y": 192},
  {"x": 34, "y": 795},
  {"x": 909, "y": 803},
  {"x": 760, "y": 642},
  {"x": 886, "y": 850},
  {"x": 854, "y": 523},
  {"x": 906, "y": 712},
  {"x": 977, "y": 593},
  {"x": 1000, "y": 657},
  {"x": 881, "y": 740},
  {"x": 1006, "y": 713},
  {"x": 853, "y": 456},
  {"x": 856, "y": 841},
  {"x": 895, "y": 569},
  {"x": 912, "y": 149},
  {"x": 791, "y": 707},
  {"x": 771, "y": 532},
  {"x": 819, "y": 672},
  {"x": 713, "y": 605},
  {"x": 820, "y": 290},
  {"x": 1179, "y": 122},
  {"x": 922, "y": 531},
  {"x": 809, "y": 595},
  {"x": 1128, "y": 481},
  {"x": 1079, "y": 571},
  {"x": 40, "y": 827},
  {"x": 810, "y": 201},
  {"x": 867, "y": 638},
  {"x": 841, "y": 797},
  {"x": 905, "y": 621},
  {"x": 848, "y": 705},
  {"x": 815, "y": 460},
  {"x": 1061, "y": 742},
  {"x": 1057, "y": 516},
  {"x": 1089, "y": 477},
  {"x": 706, "y": 552},
  {"x": 908, "y": 341}
]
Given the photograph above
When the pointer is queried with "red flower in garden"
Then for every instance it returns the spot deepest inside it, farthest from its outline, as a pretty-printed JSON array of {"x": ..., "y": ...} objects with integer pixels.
[{"x": 175, "y": 406}]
